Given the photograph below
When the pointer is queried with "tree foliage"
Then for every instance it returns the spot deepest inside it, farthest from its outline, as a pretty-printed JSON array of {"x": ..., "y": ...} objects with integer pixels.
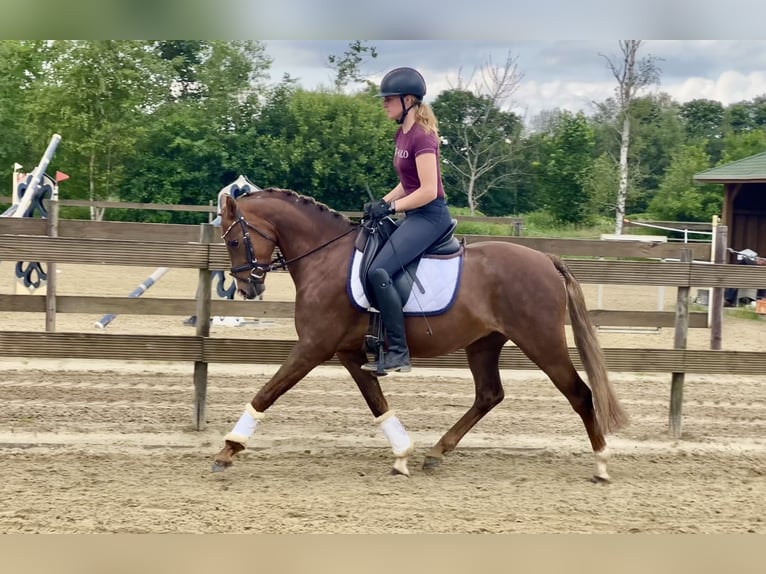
[
  {"x": 324, "y": 144},
  {"x": 189, "y": 147},
  {"x": 348, "y": 67},
  {"x": 175, "y": 121},
  {"x": 679, "y": 198},
  {"x": 564, "y": 174},
  {"x": 739, "y": 145}
]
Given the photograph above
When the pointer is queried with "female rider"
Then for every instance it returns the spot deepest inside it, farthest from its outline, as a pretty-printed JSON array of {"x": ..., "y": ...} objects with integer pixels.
[{"x": 419, "y": 195}]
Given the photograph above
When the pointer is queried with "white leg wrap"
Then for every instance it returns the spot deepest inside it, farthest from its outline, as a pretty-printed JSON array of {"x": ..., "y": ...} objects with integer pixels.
[
  {"x": 395, "y": 433},
  {"x": 602, "y": 457},
  {"x": 245, "y": 426}
]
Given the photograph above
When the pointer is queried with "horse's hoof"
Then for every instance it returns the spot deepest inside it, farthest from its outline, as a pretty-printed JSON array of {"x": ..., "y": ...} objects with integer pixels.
[
  {"x": 431, "y": 463},
  {"x": 400, "y": 467},
  {"x": 595, "y": 479},
  {"x": 219, "y": 466}
]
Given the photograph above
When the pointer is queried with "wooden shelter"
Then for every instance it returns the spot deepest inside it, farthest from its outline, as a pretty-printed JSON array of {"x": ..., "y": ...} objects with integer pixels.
[{"x": 744, "y": 201}]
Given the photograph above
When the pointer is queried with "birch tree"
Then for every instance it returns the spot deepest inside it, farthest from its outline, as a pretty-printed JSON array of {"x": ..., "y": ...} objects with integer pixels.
[{"x": 632, "y": 76}]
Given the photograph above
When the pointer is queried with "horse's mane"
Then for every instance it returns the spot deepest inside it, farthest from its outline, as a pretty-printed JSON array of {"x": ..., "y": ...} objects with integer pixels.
[{"x": 288, "y": 194}]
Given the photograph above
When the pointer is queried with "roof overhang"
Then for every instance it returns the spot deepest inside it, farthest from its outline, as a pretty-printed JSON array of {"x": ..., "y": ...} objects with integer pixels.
[{"x": 728, "y": 180}]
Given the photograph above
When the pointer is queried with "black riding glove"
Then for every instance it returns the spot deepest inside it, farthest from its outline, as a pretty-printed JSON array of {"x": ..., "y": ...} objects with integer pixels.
[
  {"x": 366, "y": 209},
  {"x": 380, "y": 210}
]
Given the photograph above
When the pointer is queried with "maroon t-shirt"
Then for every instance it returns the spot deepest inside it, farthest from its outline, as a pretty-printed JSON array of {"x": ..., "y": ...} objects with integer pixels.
[{"x": 409, "y": 146}]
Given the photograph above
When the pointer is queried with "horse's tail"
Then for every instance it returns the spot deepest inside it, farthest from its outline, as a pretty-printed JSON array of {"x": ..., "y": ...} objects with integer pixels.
[{"x": 608, "y": 411}]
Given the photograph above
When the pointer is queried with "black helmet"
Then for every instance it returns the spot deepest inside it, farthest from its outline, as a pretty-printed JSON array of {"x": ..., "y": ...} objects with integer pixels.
[{"x": 403, "y": 81}]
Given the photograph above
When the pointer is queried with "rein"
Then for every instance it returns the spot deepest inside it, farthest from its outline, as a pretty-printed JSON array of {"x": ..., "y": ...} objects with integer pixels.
[{"x": 258, "y": 270}]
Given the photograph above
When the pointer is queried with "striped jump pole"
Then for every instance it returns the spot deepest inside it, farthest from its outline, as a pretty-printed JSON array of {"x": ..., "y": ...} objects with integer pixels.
[
  {"x": 137, "y": 292},
  {"x": 33, "y": 185},
  {"x": 28, "y": 192}
]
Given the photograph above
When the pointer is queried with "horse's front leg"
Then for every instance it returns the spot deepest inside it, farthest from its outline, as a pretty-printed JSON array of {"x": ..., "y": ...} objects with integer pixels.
[
  {"x": 301, "y": 360},
  {"x": 392, "y": 428}
]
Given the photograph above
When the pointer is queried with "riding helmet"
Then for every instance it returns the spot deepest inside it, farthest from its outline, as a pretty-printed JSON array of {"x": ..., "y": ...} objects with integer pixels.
[{"x": 402, "y": 82}]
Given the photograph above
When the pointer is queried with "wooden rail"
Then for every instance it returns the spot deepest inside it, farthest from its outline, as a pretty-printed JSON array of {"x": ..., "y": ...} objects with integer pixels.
[
  {"x": 190, "y": 348},
  {"x": 516, "y": 223},
  {"x": 278, "y": 309},
  {"x": 190, "y": 255},
  {"x": 77, "y": 228}
]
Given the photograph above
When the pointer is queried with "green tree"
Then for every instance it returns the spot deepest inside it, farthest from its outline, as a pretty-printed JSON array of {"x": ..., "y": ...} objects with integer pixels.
[
  {"x": 196, "y": 141},
  {"x": 564, "y": 173},
  {"x": 739, "y": 145},
  {"x": 328, "y": 145},
  {"x": 703, "y": 121},
  {"x": 656, "y": 135},
  {"x": 746, "y": 116},
  {"x": 679, "y": 198},
  {"x": 20, "y": 66},
  {"x": 348, "y": 67},
  {"x": 95, "y": 94},
  {"x": 656, "y": 131},
  {"x": 599, "y": 184}
]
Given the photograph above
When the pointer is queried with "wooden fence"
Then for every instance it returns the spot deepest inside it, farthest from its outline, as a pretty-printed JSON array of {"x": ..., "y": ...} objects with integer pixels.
[
  {"x": 516, "y": 224},
  {"x": 198, "y": 247}
]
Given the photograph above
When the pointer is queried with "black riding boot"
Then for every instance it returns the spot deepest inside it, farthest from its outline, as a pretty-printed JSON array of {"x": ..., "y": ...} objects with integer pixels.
[{"x": 397, "y": 356}]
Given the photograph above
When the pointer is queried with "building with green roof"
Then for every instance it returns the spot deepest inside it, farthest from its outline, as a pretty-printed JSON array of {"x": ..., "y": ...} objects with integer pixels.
[{"x": 744, "y": 200}]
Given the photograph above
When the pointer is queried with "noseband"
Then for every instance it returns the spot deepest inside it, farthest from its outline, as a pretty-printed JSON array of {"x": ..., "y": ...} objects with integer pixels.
[{"x": 258, "y": 270}]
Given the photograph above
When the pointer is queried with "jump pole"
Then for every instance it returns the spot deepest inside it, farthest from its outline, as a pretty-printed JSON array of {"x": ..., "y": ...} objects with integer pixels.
[
  {"x": 24, "y": 206},
  {"x": 35, "y": 181},
  {"x": 137, "y": 292}
]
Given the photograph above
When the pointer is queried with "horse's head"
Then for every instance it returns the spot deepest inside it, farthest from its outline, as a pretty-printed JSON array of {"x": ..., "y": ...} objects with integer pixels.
[{"x": 250, "y": 245}]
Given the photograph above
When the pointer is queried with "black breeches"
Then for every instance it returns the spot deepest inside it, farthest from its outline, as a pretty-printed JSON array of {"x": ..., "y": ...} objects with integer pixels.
[{"x": 419, "y": 229}]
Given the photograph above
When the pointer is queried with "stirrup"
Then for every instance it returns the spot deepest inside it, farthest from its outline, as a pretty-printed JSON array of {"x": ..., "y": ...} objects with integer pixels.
[
  {"x": 375, "y": 367},
  {"x": 381, "y": 368}
]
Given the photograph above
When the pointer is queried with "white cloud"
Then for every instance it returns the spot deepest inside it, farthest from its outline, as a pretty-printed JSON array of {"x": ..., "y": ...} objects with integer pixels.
[
  {"x": 556, "y": 74},
  {"x": 729, "y": 87}
]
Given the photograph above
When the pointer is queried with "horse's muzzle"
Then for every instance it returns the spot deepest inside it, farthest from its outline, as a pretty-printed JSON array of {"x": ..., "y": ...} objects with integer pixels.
[
  {"x": 251, "y": 289},
  {"x": 251, "y": 286}
]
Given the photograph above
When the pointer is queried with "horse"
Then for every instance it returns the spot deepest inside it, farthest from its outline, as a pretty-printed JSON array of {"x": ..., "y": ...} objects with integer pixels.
[{"x": 500, "y": 286}]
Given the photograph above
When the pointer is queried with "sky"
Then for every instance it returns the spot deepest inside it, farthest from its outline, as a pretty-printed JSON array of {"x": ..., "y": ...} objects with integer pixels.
[
  {"x": 557, "y": 43},
  {"x": 566, "y": 74}
]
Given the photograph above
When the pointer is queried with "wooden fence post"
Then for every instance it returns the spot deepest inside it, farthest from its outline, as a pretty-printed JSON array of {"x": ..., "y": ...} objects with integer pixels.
[
  {"x": 202, "y": 330},
  {"x": 50, "y": 292},
  {"x": 679, "y": 342},
  {"x": 720, "y": 241}
]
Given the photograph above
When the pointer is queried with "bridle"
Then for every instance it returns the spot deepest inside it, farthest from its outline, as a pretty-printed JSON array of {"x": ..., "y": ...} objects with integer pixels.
[{"x": 258, "y": 270}]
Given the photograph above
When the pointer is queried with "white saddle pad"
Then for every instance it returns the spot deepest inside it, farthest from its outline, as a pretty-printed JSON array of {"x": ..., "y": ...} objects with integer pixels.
[{"x": 439, "y": 277}]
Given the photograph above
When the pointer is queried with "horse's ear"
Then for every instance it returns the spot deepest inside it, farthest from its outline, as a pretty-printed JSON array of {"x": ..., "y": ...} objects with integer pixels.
[{"x": 229, "y": 206}]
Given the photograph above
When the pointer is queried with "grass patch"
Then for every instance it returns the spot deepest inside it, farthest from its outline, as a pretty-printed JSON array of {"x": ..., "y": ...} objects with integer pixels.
[
  {"x": 536, "y": 224},
  {"x": 744, "y": 313}
]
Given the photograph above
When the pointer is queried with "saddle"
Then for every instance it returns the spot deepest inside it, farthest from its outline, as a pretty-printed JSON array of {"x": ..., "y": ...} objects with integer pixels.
[
  {"x": 370, "y": 240},
  {"x": 373, "y": 236}
]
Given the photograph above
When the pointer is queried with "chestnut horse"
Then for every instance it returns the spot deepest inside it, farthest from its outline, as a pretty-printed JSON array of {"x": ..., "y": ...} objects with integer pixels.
[{"x": 501, "y": 285}]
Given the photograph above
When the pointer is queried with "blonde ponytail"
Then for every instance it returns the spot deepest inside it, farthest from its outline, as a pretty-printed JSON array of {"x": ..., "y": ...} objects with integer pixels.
[{"x": 425, "y": 116}]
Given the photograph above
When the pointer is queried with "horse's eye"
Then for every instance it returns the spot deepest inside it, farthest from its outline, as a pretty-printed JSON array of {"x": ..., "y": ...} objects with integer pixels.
[{"x": 233, "y": 242}]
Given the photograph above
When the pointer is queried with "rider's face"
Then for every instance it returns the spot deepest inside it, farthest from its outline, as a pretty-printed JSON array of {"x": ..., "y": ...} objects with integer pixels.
[{"x": 393, "y": 106}]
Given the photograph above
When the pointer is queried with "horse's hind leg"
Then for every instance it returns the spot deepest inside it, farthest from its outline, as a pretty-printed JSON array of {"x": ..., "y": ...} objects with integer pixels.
[
  {"x": 579, "y": 395},
  {"x": 553, "y": 359},
  {"x": 483, "y": 359},
  {"x": 368, "y": 384}
]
